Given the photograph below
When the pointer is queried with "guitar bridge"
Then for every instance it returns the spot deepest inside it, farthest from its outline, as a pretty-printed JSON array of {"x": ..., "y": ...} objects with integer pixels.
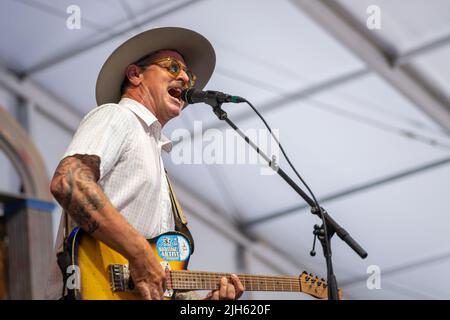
[{"x": 120, "y": 278}]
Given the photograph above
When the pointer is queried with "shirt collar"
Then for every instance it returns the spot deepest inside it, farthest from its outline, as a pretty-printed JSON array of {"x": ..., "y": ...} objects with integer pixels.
[{"x": 149, "y": 119}]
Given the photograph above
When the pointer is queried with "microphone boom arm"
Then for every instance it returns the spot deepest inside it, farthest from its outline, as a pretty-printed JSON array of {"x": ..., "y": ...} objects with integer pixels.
[{"x": 332, "y": 225}]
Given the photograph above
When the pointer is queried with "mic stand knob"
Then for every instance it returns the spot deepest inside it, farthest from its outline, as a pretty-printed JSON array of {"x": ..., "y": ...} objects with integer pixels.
[{"x": 318, "y": 231}]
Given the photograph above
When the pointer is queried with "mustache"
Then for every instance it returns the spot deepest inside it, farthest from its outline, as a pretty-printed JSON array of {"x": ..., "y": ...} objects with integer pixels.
[{"x": 178, "y": 85}]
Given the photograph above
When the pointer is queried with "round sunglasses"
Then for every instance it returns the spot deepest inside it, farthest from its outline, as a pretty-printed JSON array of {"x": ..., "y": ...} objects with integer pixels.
[{"x": 174, "y": 67}]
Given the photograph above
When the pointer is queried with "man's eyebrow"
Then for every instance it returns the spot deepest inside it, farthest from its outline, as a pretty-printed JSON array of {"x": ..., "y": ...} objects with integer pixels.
[
  {"x": 182, "y": 64},
  {"x": 162, "y": 57}
]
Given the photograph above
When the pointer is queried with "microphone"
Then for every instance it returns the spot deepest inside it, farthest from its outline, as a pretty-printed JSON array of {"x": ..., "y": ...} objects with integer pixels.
[{"x": 213, "y": 98}]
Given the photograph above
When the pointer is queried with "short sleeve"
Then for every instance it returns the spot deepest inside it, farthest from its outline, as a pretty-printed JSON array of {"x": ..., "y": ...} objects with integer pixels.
[{"x": 103, "y": 132}]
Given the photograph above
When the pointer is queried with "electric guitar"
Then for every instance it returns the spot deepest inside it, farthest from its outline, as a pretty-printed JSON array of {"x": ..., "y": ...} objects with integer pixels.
[{"x": 97, "y": 272}]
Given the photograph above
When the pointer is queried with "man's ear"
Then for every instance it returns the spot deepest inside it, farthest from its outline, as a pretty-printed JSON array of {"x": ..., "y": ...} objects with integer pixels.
[{"x": 134, "y": 75}]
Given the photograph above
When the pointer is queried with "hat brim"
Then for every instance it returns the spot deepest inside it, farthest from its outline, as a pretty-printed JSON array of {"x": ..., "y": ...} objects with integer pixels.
[{"x": 196, "y": 50}]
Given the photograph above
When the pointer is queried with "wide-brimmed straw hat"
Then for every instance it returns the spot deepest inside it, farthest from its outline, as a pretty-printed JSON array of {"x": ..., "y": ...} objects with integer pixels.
[{"x": 196, "y": 50}]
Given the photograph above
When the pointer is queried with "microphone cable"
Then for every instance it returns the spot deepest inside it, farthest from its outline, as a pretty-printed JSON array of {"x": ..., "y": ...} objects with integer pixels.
[
  {"x": 212, "y": 98},
  {"x": 297, "y": 174}
]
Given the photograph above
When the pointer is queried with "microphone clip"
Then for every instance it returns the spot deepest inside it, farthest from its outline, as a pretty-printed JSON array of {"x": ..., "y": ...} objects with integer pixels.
[{"x": 219, "y": 112}]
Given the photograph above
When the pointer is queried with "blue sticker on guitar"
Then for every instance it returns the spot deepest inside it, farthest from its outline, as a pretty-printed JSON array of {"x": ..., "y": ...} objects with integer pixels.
[{"x": 173, "y": 248}]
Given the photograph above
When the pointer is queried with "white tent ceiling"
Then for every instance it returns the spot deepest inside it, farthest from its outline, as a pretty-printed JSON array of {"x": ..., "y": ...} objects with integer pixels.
[{"x": 356, "y": 139}]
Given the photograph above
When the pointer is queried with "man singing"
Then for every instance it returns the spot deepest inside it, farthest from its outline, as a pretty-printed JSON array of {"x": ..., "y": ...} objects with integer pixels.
[{"x": 111, "y": 181}]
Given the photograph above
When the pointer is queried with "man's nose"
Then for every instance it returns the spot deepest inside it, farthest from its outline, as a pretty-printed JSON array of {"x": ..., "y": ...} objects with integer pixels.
[{"x": 183, "y": 77}]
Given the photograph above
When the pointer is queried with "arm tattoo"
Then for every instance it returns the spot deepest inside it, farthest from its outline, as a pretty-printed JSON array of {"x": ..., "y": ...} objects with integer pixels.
[{"x": 78, "y": 175}]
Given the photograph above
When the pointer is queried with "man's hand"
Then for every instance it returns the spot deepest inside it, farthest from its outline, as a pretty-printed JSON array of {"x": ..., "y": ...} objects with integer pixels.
[
  {"x": 228, "y": 290},
  {"x": 148, "y": 275}
]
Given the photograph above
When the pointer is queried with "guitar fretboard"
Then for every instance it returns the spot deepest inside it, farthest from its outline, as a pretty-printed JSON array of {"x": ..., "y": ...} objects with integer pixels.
[{"x": 193, "y": 280}]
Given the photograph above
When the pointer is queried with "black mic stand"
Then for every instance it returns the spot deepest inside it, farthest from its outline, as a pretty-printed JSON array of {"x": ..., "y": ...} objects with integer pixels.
[{"x": 332, "y": 226}]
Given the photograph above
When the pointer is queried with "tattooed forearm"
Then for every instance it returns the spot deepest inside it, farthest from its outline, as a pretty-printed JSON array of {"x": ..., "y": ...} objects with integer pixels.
[
  {"x": 84, "y": 218},
  {"x": 75, "y": 187}
]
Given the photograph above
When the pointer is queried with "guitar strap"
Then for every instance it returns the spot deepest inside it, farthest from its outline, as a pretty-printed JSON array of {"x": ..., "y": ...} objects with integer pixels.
[{"x": 179, "y": 217}]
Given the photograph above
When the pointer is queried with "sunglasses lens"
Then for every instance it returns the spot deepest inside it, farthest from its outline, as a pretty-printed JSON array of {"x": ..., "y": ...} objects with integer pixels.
[{"x": 174, "y": 68}]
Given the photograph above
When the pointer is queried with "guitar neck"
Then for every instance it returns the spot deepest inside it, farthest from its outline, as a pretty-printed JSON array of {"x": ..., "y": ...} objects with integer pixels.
[
  {"x": 202, "y": 280},
  {"x": 192, "y": 280}
]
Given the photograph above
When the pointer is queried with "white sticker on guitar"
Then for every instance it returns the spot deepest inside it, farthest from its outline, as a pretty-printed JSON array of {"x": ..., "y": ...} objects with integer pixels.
[{"x": 173, "y": 248}]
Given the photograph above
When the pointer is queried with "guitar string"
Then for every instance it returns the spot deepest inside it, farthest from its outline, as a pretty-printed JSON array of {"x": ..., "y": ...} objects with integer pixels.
[
  {"x": 191, "y": 275},
  {"x": 221, "y": 274},
  {"x": 229, "y": 274},
  {"x": 188, "y": 276},
  {"x": 215, "y": 282},
  {"x": 248, "y": 285}
]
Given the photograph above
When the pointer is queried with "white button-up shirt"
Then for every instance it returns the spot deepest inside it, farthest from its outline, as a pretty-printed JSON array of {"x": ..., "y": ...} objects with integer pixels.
[{"x": 128, "y": 140}]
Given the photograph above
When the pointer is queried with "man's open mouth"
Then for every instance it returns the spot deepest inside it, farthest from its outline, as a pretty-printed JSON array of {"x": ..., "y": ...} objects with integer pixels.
[{"x": 175, "y": 92}]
